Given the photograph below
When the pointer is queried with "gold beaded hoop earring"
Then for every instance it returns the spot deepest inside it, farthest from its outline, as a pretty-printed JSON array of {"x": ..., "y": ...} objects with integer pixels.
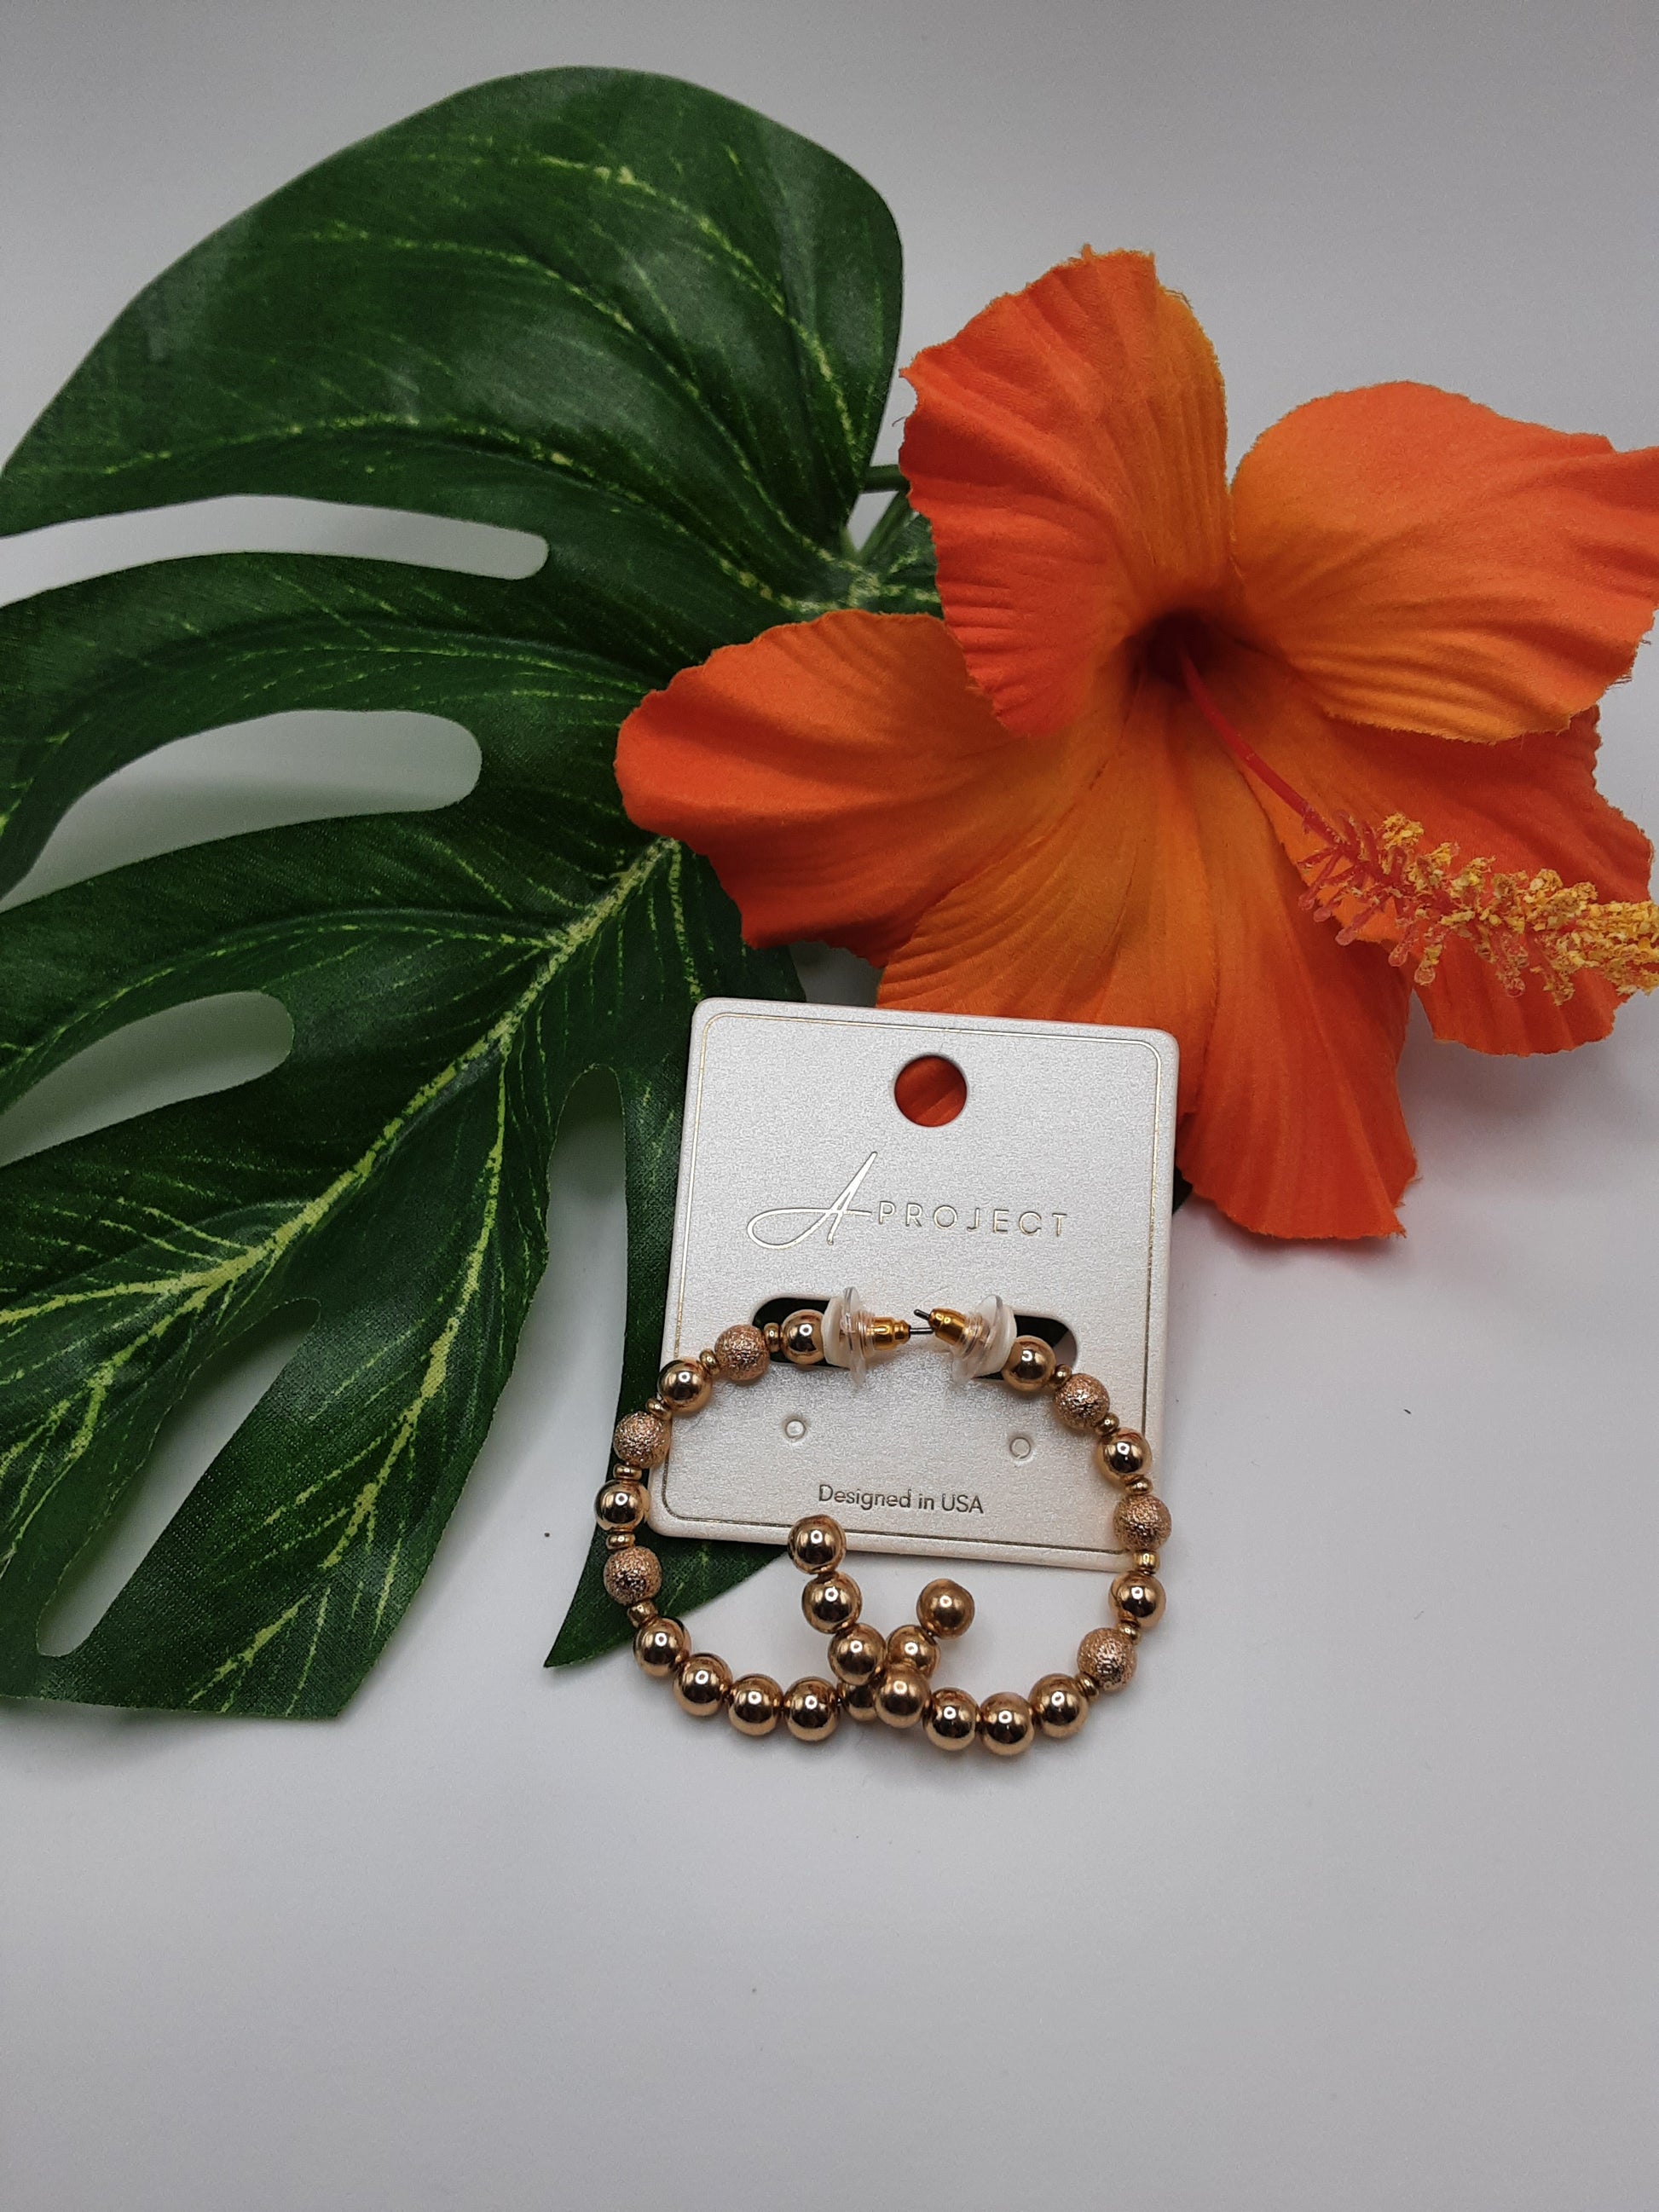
[{"x": 875, "y": 1677}]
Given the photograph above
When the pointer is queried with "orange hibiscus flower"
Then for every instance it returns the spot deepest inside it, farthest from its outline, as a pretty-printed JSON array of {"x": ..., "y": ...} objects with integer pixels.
[{"x": 1167, "y": 732}]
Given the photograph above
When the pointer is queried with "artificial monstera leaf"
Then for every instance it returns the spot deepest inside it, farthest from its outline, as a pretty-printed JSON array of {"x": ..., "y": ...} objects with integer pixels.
[{"x": 657, "y": 331}]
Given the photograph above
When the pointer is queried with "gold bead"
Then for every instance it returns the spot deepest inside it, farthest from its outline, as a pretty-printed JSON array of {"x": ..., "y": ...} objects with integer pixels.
[
  {"x": 911, "y": 1646},
  {"x": 803, "y": 1338},
  {"x": 810, "y": 1709},
  {"x": 774, "y": 1336},
  {"x": 702, "y": 1684},
  {"x": 1138, "y": 1597},
  {"x": 831, "y": 1600},
  {"x": 1030, "y": 1365},
  {"x": 645, "y": 1609},
  {"x": 621, "y": 1503},
  {"x": 1059, "y": 1706},
  {"x": 684, "y": 1386},
  {"x": 1082, "y": 1403},
  {"x": 1145, "y": 1563},
  {"x": 741, "y": 1353},
  {"x": 1059, "y": 1378},
  {"x": 660, "y": 1407},
  {"x": 619, "y": 1539},
  {"x": 901, "y": 1696},
  {"x": 816, "y": 1543},
  {"x": 858, "y": 1700},
  {"x": 944, "y": 1609},
  {"x": 660, "y": 1645},
  {"x": 708, "y": 1363},
  {"x": 1142, "y": 1521},
  {"x": 641, "y": 1440},
  {"x": 858, "y": 1654},
  {"x": 633, "y": 1574},
  {"x": 1106, "y": 1657},
  {"x": 1123, "y": 1456},
  {"x": 1004, "y": 1724},
  {"x": 755, "y": 1704},
  {"x": 952, "y": 1720}
]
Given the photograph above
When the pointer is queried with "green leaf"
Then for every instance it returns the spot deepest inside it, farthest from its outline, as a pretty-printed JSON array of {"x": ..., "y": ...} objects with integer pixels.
[{"x": 657, "y": 330}]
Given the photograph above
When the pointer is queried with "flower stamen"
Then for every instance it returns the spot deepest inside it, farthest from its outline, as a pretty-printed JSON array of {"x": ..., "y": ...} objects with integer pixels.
[{"x": 1359, "y": 873}]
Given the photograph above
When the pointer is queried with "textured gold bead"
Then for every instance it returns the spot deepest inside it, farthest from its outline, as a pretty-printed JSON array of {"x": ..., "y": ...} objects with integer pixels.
[
  {"x": 944, "y": 1609},
  {"x": 952, "y": 1720},
  {"x": 633, "y": 1574},
  {"x": 803, "y": 1338},
  {"x": 1141, "y": 1521},
  {"x": 684, "y": 1386},
  {"x": 1138, "y": 1597},
  {"x": 858, "y": 1654},
  {"x": 901, "y": 1696},
  {"x": 702, "y": 1684},
  {"x": 816, "y": 1543},
  {"x": 741, "y": 1354},
  {"x": 641, "y": 1440},
  {"x": 1030, "y": 1365},
  {"x": 755, "y": 1704},
  {"x": 1106, "y": 1657},
  {"x": 912, "y": 1646},
  {"x": 643, "y": 1610},
  {"x": 660, "y": 1645},
  {"x": 858, "y": 1700},
  {"x": 1123, "y": 1456},
  {"x": 1082, "y": 1402},
  {"x": 774, "y": 1336},
  {"x": 810, "y": 1709},
  {"x": 619, "y": 1539},
  {"x": 1006, "y": 1726},
  {"x": 1059, "y": 1706},
  {"x": 831, "y": 1600},
  {"x": 621, "y": 1503}
]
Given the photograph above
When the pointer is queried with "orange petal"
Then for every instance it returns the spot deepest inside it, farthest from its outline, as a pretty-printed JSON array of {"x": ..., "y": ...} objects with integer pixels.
[
  {"x": 1069, "y": 449},
  {"x": 841, "y": 775},
  {"x": 1427, "y": 564},
  {"x": 1529, "y": 803},
  {"x": 1160, "y": 896}
]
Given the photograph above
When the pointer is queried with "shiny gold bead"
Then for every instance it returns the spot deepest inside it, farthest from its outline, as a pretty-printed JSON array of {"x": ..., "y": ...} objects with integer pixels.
[
  {"x": 1059, "y": 1378},
  {"x": 639, "y": 1613},
  {"x": 1138, "y": 1597},
  {"x": 858, "y": 1700},
  {"x": 641, "y": 1440},
  {"x": 1006, "y": 1726},
  {"x": 1145, "y": 1563},
  {"x": 810, "y": 1709},
  {"x": 1123, "y": 1456},
  {"x": 619, "y": 1539},
  {"x": 1106, "y": 1657},
  {"x": 816, "y": 1543},
  {"x": 911, "y": 1646},
  {"x": 702, "y": 1684},
  {"x": 660, "y": 1407},
  {"x": 742, "y": 1354},
  {"x": 684, "y": 1386},
  {"x": 858, "y": 1654},
  {"x": 1082, "y": 1403},
  {"x": 1142, "y": 1521},
  {"x": 1030, "y": 1365},
  {"x": 755, "y": 1704},
  {"x": 803, "y": 1338},
  {"x": 708, "y": 1363},
  {"x": 660, "y": 1645},
  {"x": 901, "y": 1696},
  {"x": 774, "y": 1336},
  {"x": 952, "y": 1720},
  {"x": 944, "y": 1609},
  {"x": 633, "y": 1574},
  {"x": 621, "y": 1503},
  {"x": 831, "y": 1600},
  {"x": 1059, "y": 1706}
]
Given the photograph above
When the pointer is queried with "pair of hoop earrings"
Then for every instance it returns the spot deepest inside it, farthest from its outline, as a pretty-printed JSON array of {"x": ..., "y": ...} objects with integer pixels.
[{"x": 875, "y": 1677}]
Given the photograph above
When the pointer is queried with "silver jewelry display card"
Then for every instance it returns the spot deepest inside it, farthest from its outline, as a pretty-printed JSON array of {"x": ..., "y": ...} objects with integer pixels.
[{"x": 799, "y": 1177}]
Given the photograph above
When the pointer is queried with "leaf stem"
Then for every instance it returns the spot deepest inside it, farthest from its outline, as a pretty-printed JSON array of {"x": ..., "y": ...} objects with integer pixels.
[{"x": 885, "y": 476}]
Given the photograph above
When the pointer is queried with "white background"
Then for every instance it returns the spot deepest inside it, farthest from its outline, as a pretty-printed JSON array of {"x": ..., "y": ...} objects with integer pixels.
[{"x": 1349, "y": 1902}]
